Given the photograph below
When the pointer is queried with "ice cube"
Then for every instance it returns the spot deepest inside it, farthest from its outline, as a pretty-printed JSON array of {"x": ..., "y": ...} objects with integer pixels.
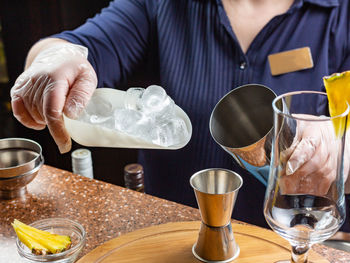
[
  {"x": 132, "y": 98},
  {"x": 153, "y": 98},
  {"x": 144, "y": 129},
  {"x": 128, "y": 121},
  {"x": 99, "y": 106},
  {"x": 157, "y": 103},
  {"x": 98, "y": 112},
  {"x": 170, "y": 132}
]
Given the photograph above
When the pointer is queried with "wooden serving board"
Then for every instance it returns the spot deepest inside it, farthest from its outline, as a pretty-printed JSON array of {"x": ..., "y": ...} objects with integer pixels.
[{"x": 172, "y": 243}]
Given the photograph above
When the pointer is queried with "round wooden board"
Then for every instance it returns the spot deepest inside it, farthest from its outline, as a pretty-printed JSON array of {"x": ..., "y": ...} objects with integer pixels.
[{"x": 172, "y": 243}]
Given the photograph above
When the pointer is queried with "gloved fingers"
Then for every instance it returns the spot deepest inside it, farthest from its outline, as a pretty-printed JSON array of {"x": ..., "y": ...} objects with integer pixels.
[
  {"x": 313, "y": 161},
  {"x": 33, "y": 97},
  {"x": 310, "y": 169},
  {"x": 28, "y": 86},
  {"x": 20, "y": 108},
  {"x": 37, "y": 107},
  {"x": 285, "y": 154},
  {"x": 324, "y": 178},
  {"x": 81, "y": 91},
  {"x": 302, "y": 154},
  {"x": 319, "y": 181},
  {"x": 325, "y": 181},
  {"x": 22, "y": 115},
  {"x": 60, "y": 135},
  {"x": 53, "y": 103},
  {"x": 316, "y": 183}
]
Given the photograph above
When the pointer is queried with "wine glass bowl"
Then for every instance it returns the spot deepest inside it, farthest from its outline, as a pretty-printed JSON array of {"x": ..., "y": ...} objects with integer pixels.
[{"x": 304, "y": 200}]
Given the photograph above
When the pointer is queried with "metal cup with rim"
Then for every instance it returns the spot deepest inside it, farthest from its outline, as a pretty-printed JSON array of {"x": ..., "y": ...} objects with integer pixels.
[
  {"x": 20, "y": 161},
  {"x": 216, "y": 190}
]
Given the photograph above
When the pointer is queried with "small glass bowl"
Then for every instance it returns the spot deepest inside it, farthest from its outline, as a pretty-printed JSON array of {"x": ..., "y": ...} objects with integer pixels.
[{"x": 61, "y": 226}]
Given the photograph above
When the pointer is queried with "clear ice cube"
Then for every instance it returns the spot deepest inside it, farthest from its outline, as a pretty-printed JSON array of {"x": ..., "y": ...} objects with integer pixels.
[
  {"x": 129, "y": 121},
  {"x": 153, "y": 98},
  {"x": 132, "y": 98},
  {"x": 157, "y": 103},
  {"x": 170, "y": 132},
  {"x": 98, "y": 112},
  {"x": 99, "y": 106}
]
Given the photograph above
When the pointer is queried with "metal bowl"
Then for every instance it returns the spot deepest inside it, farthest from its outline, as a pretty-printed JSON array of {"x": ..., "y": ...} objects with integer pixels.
[{"x": 20, "y": 161}]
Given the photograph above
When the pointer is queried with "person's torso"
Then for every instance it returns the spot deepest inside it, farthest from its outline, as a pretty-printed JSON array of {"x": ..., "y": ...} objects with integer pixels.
[{"x": 200, "y": 61}]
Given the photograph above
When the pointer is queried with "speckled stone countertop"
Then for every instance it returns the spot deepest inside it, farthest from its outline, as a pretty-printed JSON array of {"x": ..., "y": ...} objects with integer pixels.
[{"x": 106, "y": 211}]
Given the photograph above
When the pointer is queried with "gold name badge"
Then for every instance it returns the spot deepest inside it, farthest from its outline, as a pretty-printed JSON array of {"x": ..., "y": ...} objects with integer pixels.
[{"x": 290, "y": 61}]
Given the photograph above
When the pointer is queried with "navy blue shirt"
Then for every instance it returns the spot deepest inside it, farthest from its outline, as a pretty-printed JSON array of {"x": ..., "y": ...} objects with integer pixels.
[{"x": 189, "y": 48}]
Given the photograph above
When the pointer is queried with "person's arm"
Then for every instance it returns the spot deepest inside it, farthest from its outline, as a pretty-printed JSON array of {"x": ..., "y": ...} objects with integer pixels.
[
  {"x": 58, "y": 77},
  {"x": 118, "y": 39}
]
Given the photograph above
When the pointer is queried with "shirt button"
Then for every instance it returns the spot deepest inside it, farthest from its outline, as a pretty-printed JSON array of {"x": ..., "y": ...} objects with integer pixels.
[{"x": 243, "y": 65}]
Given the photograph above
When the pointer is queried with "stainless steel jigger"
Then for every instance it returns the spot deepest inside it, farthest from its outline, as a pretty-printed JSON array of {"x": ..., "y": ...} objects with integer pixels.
[{"x": 216, "y": 190}]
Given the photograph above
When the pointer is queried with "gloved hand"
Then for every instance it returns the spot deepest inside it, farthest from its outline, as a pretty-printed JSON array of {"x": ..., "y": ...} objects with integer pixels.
[
  {"x": 311, "y": 160},
  {"x": 59, "y": 80}
]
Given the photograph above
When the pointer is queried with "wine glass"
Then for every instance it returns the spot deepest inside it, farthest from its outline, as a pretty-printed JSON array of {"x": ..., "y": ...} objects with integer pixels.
[{"x": 304, "y": 200}]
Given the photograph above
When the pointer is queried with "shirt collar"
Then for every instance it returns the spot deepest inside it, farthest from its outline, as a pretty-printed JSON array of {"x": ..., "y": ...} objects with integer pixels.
[{"x": 323, "y": 3}]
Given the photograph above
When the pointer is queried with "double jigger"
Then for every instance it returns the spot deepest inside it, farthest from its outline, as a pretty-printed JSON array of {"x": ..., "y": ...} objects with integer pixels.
[{"x": 216, "y": 191}]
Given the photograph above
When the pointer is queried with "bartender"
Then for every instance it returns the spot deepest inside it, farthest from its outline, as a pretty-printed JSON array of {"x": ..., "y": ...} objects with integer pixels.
[{"x": 198, "y": 50}]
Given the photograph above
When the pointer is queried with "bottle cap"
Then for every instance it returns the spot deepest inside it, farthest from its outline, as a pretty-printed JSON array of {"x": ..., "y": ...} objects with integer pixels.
[
  {"x": 82, "y": 162},
  {"x": 133, "y": 168},
  {"x": 133, "y": 176},
  {"x": 81, "y": 154}
]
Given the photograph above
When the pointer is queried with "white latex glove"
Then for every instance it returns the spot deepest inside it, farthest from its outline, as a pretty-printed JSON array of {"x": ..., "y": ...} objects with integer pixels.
[
  {"x": 311, "y": 165},
  {"x": 59, "y": 80}
]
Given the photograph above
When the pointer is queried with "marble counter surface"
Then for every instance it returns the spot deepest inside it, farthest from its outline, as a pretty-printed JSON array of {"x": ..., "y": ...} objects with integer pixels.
[{"x": 106, "y": 211}]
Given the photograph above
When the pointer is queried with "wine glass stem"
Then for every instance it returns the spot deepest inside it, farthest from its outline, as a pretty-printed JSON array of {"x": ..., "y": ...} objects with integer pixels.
[{"x": 300, "y": 253}]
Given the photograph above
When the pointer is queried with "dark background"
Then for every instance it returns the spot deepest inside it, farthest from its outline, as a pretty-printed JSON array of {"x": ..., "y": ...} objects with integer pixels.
[{"x": 24, "y": 22}]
